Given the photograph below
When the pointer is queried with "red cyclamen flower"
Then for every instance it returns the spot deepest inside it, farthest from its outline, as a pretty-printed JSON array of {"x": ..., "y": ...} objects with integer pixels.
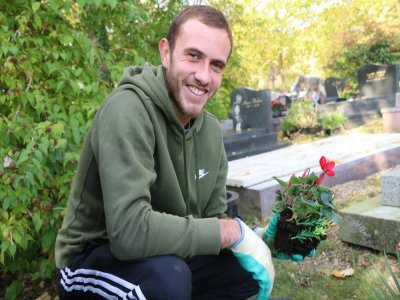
[
  {"x": 327, "y": 166},
  {"x": 398, "y": 247}
]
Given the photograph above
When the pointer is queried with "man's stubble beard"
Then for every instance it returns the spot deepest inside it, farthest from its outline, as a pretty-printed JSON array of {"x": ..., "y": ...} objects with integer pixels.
[{"x": 174, "y": 92}]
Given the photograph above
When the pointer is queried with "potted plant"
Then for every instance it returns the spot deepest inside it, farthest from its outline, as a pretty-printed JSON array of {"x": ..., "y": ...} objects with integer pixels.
[
  {"x": 277, "y": 107},
  {"x": 332, "y": 121},
  {"x": 306, "y": 211}
]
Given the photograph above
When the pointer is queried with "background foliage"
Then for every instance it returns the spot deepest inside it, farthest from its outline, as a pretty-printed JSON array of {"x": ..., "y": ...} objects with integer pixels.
[{"x": 60, "y": 58}]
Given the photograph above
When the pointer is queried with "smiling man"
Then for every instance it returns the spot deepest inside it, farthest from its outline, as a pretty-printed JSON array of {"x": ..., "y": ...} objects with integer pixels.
[{"x": 146, "y": 215}]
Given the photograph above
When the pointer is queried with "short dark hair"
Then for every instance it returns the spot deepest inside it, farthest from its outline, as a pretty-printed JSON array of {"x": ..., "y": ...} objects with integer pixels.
[{"x": 207, "y": 15}]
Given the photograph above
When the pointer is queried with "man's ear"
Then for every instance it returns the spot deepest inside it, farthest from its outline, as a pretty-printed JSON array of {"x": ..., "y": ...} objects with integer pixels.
[{"x": 163, "y": 47}]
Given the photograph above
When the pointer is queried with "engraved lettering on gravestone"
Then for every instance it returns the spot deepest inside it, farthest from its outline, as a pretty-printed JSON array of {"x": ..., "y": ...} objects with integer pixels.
[
  {"x": 252, "y": 103},
  {"x": 376, "y": 76}
]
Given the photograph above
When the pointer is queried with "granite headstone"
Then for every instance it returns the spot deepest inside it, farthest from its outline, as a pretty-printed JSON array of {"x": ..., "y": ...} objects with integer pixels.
[
  {"x": 333, "y": 85},
  {"x": 376, "y": 80},
  {"x": 251, "y": 109},
  {"x": 253, "y": 133}
]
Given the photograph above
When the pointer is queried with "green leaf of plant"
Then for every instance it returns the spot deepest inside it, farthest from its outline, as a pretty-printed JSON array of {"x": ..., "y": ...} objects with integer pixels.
[
  {"x": 24, "y": 156},
  {"x": 38, "y": 21},
  {"x": 331, "y": 215},
  {"x": 29, "y": 179},
  {"x": 35, "y": 6},
  {"x": 4, "y": 245},
  {"x": 280, "y": 181},
  {"x": 17, "y": 238},
  {"x": 37, "y": 221},
  {"x": 47, "y": 239},
  {"x": 7, "y": 202},
  {"x": 12, "y": 248},
  {"x": 14, "y": 289}
]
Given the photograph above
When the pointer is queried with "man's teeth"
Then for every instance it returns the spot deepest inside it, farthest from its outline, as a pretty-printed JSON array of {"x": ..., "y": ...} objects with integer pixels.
[{"x": 196, "y": 91}]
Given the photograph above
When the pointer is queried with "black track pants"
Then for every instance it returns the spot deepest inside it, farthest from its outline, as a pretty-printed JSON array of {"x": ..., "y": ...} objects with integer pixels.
[{"x": 96, "y": 274}]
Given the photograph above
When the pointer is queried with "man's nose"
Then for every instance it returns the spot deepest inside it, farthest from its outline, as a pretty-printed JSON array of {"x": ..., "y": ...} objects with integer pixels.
[{"x": 203, "y": 74}]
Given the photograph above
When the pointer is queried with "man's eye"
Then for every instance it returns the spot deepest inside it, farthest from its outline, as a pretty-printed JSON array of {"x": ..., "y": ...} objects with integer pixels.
[
  {"x": 194, "y": 56},
  {"x": 217, "y": 67}
]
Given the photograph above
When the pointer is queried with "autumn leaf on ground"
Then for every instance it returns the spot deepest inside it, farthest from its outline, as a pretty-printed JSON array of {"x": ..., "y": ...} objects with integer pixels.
[
  {"x": 342, "y": 273},
  {"x": 363, "y": 261}
]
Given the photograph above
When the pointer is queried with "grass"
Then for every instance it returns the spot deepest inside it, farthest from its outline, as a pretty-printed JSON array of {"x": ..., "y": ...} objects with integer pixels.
[{"x": 313, "y": 280}]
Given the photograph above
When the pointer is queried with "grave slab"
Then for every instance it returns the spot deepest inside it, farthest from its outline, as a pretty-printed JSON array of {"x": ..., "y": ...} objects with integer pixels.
[
  {"x": 390, "y": 183},
  {"x": 356, "y": 156},
  {"x": 372, "y": 225}
]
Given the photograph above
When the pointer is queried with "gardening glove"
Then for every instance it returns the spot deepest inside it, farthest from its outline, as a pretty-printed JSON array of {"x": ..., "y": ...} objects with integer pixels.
[
  {"x": 267, "y": 234},
  {"x": 255, "y": 257}
]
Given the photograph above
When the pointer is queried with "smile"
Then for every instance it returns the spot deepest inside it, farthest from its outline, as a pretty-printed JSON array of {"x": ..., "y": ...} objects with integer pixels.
[{"x": 196, "y": 91}]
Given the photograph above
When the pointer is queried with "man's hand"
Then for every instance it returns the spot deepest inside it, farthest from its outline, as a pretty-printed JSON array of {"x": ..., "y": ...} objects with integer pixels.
[
  {"x": 255, "y": 257},
  {"x": 267, "y": 234}
]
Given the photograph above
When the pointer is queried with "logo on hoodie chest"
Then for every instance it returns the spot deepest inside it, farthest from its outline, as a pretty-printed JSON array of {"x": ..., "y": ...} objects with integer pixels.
[{"x": 202, "y": 173}]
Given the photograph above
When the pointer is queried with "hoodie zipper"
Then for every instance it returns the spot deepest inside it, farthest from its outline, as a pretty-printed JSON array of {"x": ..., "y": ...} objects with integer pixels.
[
  {"x": 187, "y": 198},
  {"x": 187, "y": 175},
  {"x": 196, "y": 166}
]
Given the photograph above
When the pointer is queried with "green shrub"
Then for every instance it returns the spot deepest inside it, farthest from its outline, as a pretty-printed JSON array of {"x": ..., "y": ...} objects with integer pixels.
[
  {"x": 287, "y": 126},
  {"x": 333, "y": 120},
  {"x": 57, "y": 66},
  {"x": 301, "y": 115}
]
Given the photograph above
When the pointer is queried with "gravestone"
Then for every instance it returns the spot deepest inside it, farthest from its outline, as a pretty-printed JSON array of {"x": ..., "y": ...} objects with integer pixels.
[
  {"x": 378, "y": 80},
  {"x": 310, "y": 87},
  {"x": 391, "y": 188},
  {"x": 378, "y": 85},
  {"x": 391, "y": 116},
  {"x": 251, "y": 109},
  {"x": 375, "y": 222},
  {"x": 332, "y": 87},
  {"x": 252, "y": 132}
]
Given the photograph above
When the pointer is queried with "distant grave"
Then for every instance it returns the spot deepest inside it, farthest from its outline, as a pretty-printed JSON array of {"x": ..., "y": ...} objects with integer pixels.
[
  {"x": 378, "y": 85},
  {"x": 333, "y": 87},
  {"x": 252, "y": 109},
  {"x": 378, "y": 80},
  {"x": 252, "y": 131},
  {"x": 310, "y": 87}
]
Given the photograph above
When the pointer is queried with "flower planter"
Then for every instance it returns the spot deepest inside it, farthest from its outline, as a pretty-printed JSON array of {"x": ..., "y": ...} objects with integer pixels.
[
  {"x": 330, "y": 132},
  {"x": 312, "y": 130},
  {"x": 306, "y": 210},
  {"x": 286, "y": 230}
]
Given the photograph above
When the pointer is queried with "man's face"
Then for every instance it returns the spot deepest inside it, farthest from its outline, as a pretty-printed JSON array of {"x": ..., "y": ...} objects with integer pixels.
[{"x": 194, "y": 67}]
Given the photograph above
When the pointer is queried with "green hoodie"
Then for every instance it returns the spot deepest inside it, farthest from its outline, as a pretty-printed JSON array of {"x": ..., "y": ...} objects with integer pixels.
[{"x": 142, "y": 183}]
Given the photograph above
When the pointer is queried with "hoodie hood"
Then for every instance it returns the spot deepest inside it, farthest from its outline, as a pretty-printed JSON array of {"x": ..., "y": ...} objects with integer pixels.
[{"x": 151, "y": 81}]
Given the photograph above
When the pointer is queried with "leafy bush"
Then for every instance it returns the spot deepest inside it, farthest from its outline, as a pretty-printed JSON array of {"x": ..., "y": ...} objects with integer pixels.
[
  {"x": 58, "y": 64},
  {"x": 333, "y": 120}
]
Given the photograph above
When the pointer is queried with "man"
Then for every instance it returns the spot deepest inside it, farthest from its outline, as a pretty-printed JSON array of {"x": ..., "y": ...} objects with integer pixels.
[{"x": 146, "y": 215}]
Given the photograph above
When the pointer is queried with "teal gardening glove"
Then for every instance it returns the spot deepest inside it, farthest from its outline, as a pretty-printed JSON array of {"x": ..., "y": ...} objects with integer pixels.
[
  {"x": 255, "y": 257},
  {"x": 267, "y": 234}
]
